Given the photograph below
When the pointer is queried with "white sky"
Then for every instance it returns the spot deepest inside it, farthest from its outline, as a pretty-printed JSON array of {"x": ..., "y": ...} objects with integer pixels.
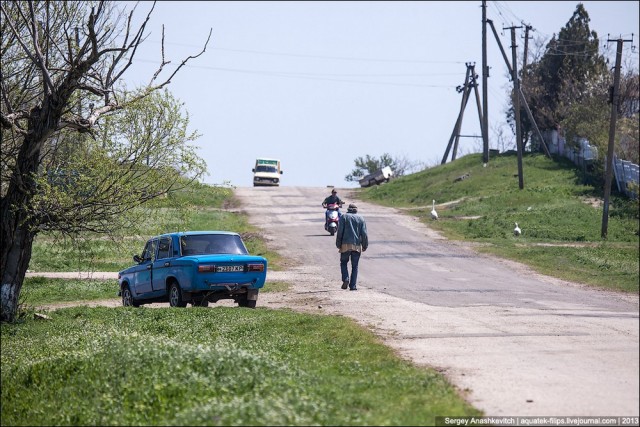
[{"x": 318, "y": 84}]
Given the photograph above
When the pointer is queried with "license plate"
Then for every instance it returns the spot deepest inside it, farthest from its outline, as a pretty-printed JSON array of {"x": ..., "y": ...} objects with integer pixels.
[{"x": 229, "y": 268}]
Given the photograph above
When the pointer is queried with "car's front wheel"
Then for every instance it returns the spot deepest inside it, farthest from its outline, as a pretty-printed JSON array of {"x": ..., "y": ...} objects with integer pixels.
[
  {"x": 127, "y": 298},
  {"x": 175, "y": 296}
]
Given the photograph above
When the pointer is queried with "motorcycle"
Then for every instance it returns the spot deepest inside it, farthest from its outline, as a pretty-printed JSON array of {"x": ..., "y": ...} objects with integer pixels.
[{"x": 332, "y": 218}]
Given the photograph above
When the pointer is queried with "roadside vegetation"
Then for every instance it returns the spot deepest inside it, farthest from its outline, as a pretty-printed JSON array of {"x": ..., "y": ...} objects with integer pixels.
[
  {"x": 40, "y": 291},
  {"x": 211, "y": 366},
  {"x": 198, "y": 366},
  {"x": 226, "y": 365},
  {"x": 196, "y": 207},
  {"x": 43, "y": 290},
  {"x": 560, "y": 217},
  {"x": 222, "y": 365}
]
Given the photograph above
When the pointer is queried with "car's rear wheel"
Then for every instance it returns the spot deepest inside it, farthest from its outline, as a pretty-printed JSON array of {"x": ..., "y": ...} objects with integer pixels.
[
  {"x": 244, "y": 301},
  {"x": 127, "y": 298},
  {"x": 175, "y": 295}
]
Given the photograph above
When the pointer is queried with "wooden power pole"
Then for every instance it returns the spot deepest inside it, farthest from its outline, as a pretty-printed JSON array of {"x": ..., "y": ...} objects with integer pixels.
[
  {"x": 612, "y": 134},
  {"x": 470, "y": 83},
  {"x": 516, "y": 105},
  {"x": 485, "y": 92}
]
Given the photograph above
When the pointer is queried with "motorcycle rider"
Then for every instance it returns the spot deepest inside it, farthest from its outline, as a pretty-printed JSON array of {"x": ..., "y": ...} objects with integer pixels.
[{"x": 333, "y": 198}]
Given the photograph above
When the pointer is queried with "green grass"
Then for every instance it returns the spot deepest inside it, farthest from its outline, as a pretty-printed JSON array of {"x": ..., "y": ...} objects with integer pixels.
[
  {"x": 197, "y": 194},
  {"x": 216, "y": 366},
  {"x": 604, "y": 266},
  {"x": 561, "y": 232},
  {"x": 197, "y": 208},
  {"x": 231, "y": 366},
  {"x": 41, "y": 290}
]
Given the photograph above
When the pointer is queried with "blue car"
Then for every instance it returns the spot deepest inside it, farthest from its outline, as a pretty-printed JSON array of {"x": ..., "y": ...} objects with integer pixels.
[{"x": 194, "y": 267}]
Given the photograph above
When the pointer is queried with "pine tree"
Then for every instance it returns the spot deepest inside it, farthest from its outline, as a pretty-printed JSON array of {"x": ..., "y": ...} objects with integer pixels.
[{"x": 569, "y": 71}]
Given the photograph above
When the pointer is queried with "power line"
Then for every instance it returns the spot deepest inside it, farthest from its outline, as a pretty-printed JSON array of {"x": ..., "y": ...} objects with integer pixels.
[
  {"x": 308, "y": 76},
  {"x": 303, "y": 55},
  {"x": 340, "y": 58}
]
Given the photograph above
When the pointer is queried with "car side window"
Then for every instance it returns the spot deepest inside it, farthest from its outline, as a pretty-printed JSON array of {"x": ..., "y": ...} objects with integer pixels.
[
  {"x": 184, "y": 250},
  {"x": 149, "y": 253},
  {"x": 164, "y": 248}
]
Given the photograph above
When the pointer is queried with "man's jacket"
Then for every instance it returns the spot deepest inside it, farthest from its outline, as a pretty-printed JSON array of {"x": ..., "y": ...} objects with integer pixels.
[
  {"x": 332, "y": 199},
  {"x": 352, "y": 230}
]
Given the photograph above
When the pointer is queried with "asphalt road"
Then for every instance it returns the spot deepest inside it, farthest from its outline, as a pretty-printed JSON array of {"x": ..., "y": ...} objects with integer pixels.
[{"x": 515, "y": 343}]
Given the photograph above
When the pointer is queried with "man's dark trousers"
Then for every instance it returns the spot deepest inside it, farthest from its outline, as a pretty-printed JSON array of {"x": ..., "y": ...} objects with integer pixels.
[{"x": 344, "y": 259}]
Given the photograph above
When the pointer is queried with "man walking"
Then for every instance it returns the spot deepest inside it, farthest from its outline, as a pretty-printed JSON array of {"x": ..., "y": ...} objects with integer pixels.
[{"x": 351, "y": 240}]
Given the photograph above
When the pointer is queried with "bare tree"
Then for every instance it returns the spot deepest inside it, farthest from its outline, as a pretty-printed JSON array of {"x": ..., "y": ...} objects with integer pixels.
[{"x": 57, "y": 57}]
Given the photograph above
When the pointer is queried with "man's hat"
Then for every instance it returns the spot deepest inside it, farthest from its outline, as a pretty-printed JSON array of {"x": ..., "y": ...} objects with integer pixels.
[
  {"x": 352, "y": 208},
  {"x": 333, "y": 191}
]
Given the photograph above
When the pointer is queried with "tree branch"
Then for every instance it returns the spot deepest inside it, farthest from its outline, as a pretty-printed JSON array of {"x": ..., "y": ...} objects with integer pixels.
[
  {"x": 183, "y": 63},
  {"x": 40, "y": 58}
]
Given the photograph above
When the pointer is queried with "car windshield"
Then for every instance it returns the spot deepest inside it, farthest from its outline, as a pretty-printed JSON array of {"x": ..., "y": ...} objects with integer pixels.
[
  {"x": 202, "y": 244},
  {"x": 271, "y": 169}
]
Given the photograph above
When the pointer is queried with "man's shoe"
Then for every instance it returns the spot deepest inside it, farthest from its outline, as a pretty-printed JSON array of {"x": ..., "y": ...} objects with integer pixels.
[
  {"x": 353, "y": 289},
  {"x": 345, "y": 283}
]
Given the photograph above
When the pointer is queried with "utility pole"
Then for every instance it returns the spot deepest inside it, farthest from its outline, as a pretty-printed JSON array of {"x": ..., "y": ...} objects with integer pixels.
[
  {"x": 516, "y": 105},
  {"x": 534, "y": 124},
  {"x": 504, "y": 55},
  {"x": 526, "y": 49},
  {"x": 456, "y": 128},
  {"x": 612, "y": 134},
  {"x": 522, "y": 97},
  {"x": 485, "y": 96},
  {"x": 470, "y": 83},
  {"x": 474, "y": 84},
  {"x": 465, "y": 99}
]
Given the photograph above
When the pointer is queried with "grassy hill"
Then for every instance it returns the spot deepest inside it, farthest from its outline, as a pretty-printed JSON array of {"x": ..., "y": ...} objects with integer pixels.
[
  {"x": 227, "y": 365},
  {"x": 218, "y": 365},
  {"x": 560, "y": 218}
]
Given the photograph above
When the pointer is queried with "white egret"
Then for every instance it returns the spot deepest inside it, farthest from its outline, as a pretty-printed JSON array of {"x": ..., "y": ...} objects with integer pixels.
[{"x": 517, "y": 231}]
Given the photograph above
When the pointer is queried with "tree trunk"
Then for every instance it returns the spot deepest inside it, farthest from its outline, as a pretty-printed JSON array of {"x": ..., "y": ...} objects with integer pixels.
[
  {"x": 18, "y": 257},
  {"x": 18, "y": 231}
]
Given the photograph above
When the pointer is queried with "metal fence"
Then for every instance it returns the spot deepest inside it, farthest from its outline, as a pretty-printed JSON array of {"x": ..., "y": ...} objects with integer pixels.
[
  {"x": 627, "y": 174},
  {"x": 627, "y": 177}
]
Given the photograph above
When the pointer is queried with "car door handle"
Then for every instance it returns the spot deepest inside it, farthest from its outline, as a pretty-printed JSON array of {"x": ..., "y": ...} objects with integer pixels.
[
  {"x": 167, "y": 264},
  {"x": 149, "y": 267}
]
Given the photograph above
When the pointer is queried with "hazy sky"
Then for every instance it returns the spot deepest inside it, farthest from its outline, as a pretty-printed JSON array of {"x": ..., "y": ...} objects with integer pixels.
[{"x": 318, "y": 84}]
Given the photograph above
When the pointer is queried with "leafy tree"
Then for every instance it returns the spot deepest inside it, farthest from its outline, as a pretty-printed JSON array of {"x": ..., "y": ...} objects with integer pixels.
[
  {"x": 569, "y": 72},
  {"x": 369, "y": 164},
  {"x": 628, "y": 125},
  {"x": 78, "y": 149},
  {"x": 568, "y": 89},
  {"x": 94, "y": 183}
]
